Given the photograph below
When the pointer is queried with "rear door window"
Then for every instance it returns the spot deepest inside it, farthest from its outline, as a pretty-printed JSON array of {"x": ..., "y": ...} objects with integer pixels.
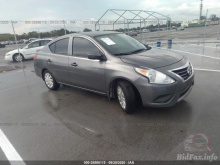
[{"x": 60, "y": 47}]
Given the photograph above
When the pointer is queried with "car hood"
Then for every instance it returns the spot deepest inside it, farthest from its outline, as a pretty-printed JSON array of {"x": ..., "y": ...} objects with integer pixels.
[
  {"x": 15, "y": 51},
  {"x": 153, "y": 58}
]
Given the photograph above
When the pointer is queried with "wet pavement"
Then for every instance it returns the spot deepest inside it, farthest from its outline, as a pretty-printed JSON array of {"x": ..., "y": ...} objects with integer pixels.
[
  {"x": 6, "y": 66},
  {"x": 207, "y": 57},
  {"x": 71, "y": 124}
]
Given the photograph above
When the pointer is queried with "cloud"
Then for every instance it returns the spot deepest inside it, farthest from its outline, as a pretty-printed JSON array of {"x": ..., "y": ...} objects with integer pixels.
[{"x": 93, "y": 9}]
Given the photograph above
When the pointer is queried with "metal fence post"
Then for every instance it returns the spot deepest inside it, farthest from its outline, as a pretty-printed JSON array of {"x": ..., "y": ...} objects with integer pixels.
[
  {"x": 124, "y": 26},
  {"x": 38, "y": 33},
  {"x": 158, "y": 24},
  {"x": 145, "y": 31},
  {"x": 218, "y": 38},
  {"x": 64, "y": 27},
  {"x": 17, "y": 46},
  {"x": 127, "y": 26},
  {"x": 170, "y": 28},
  {"x": 140, "y": 31},
  {"x": 204, "y": 36}
]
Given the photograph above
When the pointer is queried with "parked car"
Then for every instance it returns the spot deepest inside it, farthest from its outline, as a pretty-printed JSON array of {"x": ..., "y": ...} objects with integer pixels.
[
  {"x": 145, "y": 31},
  {"x": 138, "y": 31},
  {"x": 163, "y": 29},
  {"x": 132, "y": 33},
  {"x": 6, "y": 43},
  {"x": 11, "y": 42},
  {"x": 25, "y": 41},
  {"x": 118, "y": 66},
  {"x": 30, "y": 40},
  {"x": 2, "y": 45},
  {"x": 20, "y": 41},
  {"x": 154, "y": 30},
  {"x": 26, "y": 52},
  {"x": 180, "y": 28}
]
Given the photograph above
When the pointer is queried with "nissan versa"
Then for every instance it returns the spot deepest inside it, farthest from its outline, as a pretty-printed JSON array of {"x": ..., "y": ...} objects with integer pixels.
[{"x": 116, "y": 65}]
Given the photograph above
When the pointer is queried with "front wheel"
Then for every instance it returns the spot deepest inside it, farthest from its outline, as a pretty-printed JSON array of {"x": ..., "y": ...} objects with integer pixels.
[
  {"x": 126, "y": 96},
  {"x": 18, "y": 57},
  {"x": 50, "y": 81}
]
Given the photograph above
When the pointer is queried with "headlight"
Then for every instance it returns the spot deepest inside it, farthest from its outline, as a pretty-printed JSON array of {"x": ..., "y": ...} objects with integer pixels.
[
  {"x": 155, "y": 77},
  {"x": 7, "y": 54}
]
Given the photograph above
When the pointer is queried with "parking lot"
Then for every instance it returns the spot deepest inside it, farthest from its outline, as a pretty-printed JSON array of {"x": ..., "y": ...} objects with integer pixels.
[
  {"x": 191, "y": 35},
  {"x": 71, "y": 124}
]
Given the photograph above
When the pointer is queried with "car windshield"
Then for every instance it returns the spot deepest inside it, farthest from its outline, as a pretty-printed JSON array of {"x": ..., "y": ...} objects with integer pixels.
[{"x": 120, "y": 44}]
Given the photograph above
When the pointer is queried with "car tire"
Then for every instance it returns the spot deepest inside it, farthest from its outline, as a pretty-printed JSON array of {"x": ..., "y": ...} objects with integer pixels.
[
  {"x": 50, "y": 81},
  {"x": 16, "y": 57},
  {"x": 126, "y": 96}
]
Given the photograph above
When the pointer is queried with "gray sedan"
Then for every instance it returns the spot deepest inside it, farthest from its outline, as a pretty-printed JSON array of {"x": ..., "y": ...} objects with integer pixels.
[{"x": 118, "y": 66}]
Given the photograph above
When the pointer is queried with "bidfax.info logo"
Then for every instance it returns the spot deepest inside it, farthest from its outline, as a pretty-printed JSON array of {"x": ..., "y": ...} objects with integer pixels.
[
  {"x": 197, "y": 142},
  {"x": 197, "y": 148}
]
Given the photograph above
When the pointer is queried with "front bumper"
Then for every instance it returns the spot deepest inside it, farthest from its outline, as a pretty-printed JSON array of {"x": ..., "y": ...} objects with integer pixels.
[
  {"x": 8, "y": 58},
  {"x": 155, "y": 95}
]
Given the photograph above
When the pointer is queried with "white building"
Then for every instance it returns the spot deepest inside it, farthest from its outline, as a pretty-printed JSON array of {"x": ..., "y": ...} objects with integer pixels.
[{"x": 186, "y": 23}]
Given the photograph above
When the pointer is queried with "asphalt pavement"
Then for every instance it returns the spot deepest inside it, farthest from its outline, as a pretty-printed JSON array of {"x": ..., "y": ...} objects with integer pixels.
[{"x": 209, "y": 34}]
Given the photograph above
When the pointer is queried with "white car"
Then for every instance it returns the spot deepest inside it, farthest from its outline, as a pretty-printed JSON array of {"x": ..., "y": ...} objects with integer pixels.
[
  {"x": 180, "y": 28},
  {"x": 28, "y": 51},
  {"x": 145, "y": 31}
]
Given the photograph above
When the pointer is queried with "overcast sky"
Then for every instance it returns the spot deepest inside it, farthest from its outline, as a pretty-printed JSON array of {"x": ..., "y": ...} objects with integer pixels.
[
  {"x": 85, "y": 9},
  {"x": 93, "y": 9}
]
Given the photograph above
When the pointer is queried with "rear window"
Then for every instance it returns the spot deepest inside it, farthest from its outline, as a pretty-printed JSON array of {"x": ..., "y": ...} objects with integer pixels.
[
  {"x": 60, "y": 47},
  {"x": 44, "y": 42},
  {"x": 34, "y": 44}
]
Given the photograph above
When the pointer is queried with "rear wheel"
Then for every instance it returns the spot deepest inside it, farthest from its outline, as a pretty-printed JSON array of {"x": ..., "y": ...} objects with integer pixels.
[
  {"x": 50, "y": 81},
  {"x": 126, "y": 96}
]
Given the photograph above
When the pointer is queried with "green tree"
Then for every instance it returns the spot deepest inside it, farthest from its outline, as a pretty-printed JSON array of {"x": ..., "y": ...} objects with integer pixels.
[
  {"x": 87, "y": 30},
  {"x": 6, "y": 37},
  {"x": 202, "y": 17}
]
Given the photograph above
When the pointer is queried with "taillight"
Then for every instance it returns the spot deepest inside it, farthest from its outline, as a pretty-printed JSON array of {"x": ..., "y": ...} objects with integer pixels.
[{"x": 35, "y": 56}]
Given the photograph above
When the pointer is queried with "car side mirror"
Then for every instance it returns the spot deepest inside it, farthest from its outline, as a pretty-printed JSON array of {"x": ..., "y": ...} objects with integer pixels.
[
  {"x": 148, "y": 47},
  {"x": 97, "y": 57}
]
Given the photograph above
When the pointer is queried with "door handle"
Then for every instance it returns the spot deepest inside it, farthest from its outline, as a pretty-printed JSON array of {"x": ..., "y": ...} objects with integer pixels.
[
  {"x": 74, "y": 64},
  {"x": 49, "y": 61}
]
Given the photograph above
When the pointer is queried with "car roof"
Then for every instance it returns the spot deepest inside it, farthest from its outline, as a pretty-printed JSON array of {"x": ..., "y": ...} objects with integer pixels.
[
  {"x": 42, "y": 39},
  {"x": 93, "y": 34}
]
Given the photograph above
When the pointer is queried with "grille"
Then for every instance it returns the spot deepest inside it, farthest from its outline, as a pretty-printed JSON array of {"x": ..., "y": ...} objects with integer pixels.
[{"x": 185, "y": 72}]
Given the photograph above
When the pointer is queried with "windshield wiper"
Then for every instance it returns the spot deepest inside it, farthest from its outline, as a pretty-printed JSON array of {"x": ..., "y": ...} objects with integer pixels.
[
  {"x": 128, "y": 53},
  {"x": 137, "y": 51},
  {"x": 120, "y": 54}
]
